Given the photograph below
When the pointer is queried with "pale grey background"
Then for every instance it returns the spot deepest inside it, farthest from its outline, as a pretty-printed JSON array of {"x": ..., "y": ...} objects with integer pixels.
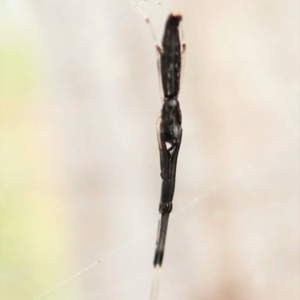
[{"x": 234, "y": 230}]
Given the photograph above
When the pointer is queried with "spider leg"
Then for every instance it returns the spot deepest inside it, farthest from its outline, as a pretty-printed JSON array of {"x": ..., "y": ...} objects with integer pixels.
[
  {"x": 159, "y": 51},
  {"x": 163, "y": 152},
  {"x": 158, "y": 48},
  {"x": 168, "y": 162},
  {"x": 183, "y": 50},
  {"x": 173, "y": 165},
  {"x": 161, "y": 239},
  {"x": 165, "y": 205}
]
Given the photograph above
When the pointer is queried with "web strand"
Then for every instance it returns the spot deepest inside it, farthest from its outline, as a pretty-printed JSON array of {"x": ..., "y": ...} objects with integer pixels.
[{"x": 69, "y": 279}]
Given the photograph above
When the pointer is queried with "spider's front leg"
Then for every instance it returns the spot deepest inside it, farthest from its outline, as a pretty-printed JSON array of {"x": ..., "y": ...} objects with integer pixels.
[{"x": 163, "y": 151}]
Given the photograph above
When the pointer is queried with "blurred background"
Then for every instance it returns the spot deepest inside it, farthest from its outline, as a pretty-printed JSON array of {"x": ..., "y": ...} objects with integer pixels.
[{"x": 79, "y": 157}]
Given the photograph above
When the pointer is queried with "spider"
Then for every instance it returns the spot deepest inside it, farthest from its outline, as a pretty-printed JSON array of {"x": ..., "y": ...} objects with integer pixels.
[{"x": 169, "y": 130}]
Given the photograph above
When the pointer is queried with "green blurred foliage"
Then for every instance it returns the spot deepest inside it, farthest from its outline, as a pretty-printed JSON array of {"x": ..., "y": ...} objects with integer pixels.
[{"x": 32, "y": 240}]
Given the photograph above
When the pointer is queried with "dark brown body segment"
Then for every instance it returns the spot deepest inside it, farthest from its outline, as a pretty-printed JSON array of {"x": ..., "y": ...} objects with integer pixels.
[{"x": 171, "y": 57}]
